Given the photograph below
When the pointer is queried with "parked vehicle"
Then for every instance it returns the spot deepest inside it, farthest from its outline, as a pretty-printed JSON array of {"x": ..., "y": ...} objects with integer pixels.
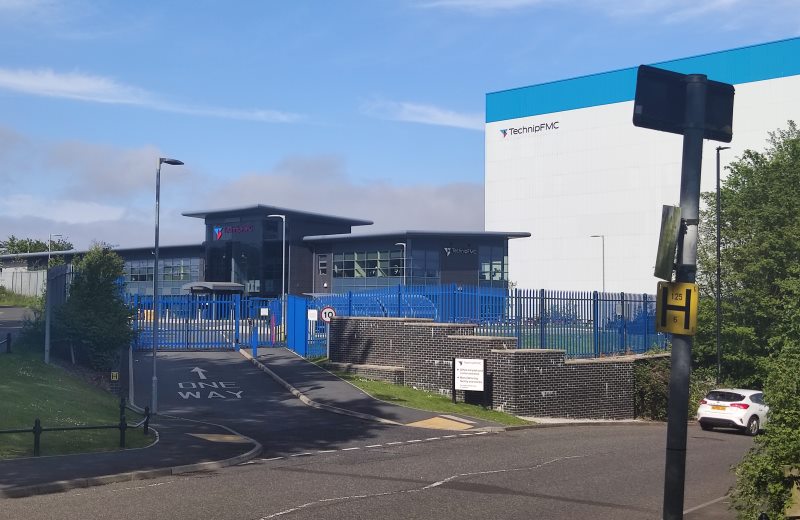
[{"x": 733, "y": 408}]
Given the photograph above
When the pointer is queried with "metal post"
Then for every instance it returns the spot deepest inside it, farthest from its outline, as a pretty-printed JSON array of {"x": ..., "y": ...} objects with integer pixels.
[
  {"x": 48, "y": 298},
  {"x": 678, "y": 404},
  {"x": 719, "y": 269},
  {"x": 283, "y": 273},
  {"x": 154, "y": 390},
  {"x": 8, "y": 343},
  {"x": 123, "y": 423},
  {"x": 37, "y": 435}
]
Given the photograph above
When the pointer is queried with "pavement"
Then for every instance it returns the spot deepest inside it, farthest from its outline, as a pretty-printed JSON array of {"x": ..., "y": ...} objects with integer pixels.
[{"x": 188, "y": 445}]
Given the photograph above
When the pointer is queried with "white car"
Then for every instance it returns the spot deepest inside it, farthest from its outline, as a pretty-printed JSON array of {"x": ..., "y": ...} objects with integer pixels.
[{"x": 733, "y": 408}]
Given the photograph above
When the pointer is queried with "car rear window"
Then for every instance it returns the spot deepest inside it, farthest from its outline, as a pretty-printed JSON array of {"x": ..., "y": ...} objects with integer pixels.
[{"x": 729, "y": 397}]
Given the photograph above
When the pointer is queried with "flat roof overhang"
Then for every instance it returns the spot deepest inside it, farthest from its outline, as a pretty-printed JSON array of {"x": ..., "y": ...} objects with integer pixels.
[
  {"x": 262, "y": 210},
  {"x": 428, "y": 234},
  {"x": 212, "y": 287}
]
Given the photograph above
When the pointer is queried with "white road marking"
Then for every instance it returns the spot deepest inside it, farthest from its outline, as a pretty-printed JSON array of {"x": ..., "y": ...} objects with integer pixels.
[
  {"x": 374, "y": 446},
  {"x": 301, "y": 454},
  {"x": 415, "y": 440},
  {"x": 701, "y": 506},
  {"x": 350, "y": 449},
  {"x": 393, "y": 443},
  {"x": 323, "y": 501},
  {"x": 433, "y": 438}
]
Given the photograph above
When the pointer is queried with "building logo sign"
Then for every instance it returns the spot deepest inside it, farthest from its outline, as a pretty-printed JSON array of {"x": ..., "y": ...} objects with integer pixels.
[
  {"x": 221, "y": 231},
  {"x": 532, "y": 129},
  {"x": 459, "y": 251}
]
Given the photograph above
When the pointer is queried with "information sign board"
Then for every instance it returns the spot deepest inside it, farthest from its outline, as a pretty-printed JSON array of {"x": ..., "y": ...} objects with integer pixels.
[{"x": 468, "y": 374}]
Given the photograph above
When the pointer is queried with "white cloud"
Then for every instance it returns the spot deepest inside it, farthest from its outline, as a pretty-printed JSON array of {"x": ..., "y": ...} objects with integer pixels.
[
  {"x": 424, "y": 114},
  {"x": 67, "y": 211},
  {"x": 482, "y": 5},
  {"x": 99, "y": 89},
  {"x": 321, "y": 185}
]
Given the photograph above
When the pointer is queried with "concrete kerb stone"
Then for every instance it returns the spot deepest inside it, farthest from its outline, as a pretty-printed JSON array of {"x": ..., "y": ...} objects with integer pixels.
[
  {"x": 310, "y": 402},
  {"x": 78, "y": 483}
]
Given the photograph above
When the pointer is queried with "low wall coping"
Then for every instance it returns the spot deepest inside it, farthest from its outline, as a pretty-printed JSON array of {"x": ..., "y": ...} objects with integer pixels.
[
  {"x": 616, "y": 359},
  {"x": 369, "y": 367},
  {"x": 383, "y": 318},
  {"x": 531, "y": 351},
  {"x": 482, "y": 338},
  {"x": 432, "y": 324}
]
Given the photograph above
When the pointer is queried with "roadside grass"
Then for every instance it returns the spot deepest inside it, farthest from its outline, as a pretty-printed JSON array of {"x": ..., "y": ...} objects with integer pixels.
[
  {"x": 31, "y": 389},
  {"x": 9, "y": 299},
  {"x": 412, "y": 398}
]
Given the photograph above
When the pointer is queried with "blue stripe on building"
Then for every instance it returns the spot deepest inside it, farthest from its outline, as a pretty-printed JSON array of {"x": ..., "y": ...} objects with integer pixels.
[{"x": 755, "y": 63}]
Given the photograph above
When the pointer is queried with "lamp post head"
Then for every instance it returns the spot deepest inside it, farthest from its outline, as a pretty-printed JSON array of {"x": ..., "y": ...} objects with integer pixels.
[
  {"x": 173, "y": 162},
  {"x": 720, "y": 148},
  {"x": 400, "y": 244},
  {"x": 277, "y": 216}
]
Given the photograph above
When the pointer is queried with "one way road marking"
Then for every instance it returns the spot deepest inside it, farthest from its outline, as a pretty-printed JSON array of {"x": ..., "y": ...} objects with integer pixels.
[{"x": 199, "y": 371}]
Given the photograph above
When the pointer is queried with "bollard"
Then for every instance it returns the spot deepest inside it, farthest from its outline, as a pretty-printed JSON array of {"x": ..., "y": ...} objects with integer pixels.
[
  {"x": 8, "y": 343},
  {"x": 37, "y": 434},
  {"x": 146, "y": 428},
  {"x": 123, "y": 424}
]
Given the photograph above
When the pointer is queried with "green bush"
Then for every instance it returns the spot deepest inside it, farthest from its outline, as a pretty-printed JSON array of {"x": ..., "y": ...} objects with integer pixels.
[
  {"x": 760, "y": 485},
  {"x": 651, "y": 383}
]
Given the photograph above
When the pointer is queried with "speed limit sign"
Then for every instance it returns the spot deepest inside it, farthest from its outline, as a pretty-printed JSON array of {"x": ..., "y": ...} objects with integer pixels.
[{"x": 327, "y": 313}]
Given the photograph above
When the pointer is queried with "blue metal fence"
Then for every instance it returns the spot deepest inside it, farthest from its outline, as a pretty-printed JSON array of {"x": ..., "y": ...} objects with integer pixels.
[{"x": 585, "y": 324}]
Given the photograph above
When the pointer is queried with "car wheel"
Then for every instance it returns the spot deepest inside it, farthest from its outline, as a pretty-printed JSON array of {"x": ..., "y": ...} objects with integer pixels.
[
  {"x": 706, "y": 426},
  {"x": 752, "y": 426}
]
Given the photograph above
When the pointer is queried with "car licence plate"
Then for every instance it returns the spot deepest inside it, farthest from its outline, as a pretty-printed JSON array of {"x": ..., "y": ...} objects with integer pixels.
[{"x": 718, "y": 407}]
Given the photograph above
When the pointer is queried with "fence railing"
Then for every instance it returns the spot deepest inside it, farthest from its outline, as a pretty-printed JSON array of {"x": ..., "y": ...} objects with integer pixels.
[
  {"x": 122, "y": 426},
  {"x": 585, "y": 324}
]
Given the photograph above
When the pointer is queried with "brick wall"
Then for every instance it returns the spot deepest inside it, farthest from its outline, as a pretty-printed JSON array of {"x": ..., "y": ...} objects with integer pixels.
[{"x": 525, "y": 382}]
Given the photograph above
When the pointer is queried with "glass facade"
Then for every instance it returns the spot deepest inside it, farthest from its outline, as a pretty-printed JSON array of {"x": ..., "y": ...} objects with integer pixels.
[
  {"x": 366, "y": 269},
  {"x": 425, "y": 268},
  {"x": 493, "y": 266},
  {"x": 172, "y": 274}
]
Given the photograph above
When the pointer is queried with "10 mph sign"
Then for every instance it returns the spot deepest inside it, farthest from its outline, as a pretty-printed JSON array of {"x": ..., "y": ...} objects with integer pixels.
[{"x": 327, "y": 313}]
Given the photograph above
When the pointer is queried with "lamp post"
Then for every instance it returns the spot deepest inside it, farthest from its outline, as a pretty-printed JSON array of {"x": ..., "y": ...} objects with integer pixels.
[
  {"x": 719, "y": 269},
  {"x": 49, "y": 246},
  {"x": 603, "y": 238},
  {"x": 154, "y": 392},
  {"x": 283, "y": 271},
  {"x": 404, "y": 260}
]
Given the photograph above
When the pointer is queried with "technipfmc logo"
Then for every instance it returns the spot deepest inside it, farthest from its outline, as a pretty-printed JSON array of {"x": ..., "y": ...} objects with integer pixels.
[
  {"x": 218, "y": 232},
  {"x": 532, "y": 129}
]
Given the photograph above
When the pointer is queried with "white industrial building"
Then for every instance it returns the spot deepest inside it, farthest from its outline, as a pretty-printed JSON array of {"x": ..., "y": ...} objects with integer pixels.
[{"x": 564, "y": 162}]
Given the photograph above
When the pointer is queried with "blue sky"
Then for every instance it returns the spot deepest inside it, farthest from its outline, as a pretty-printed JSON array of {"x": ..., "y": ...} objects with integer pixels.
[{"x": 371, "y": 109}]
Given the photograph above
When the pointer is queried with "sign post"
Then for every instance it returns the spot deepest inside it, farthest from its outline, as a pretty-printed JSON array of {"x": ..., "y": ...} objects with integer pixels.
[
  {"x": 691, "y": 105},
  {"x": 327, "y": 313}
]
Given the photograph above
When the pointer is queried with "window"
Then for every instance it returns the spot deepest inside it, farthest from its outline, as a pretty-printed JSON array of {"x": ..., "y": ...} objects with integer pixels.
[{"x": 322, "y": 263}]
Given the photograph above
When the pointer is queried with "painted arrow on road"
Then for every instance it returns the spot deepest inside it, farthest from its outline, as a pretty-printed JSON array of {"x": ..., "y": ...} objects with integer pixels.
[{"x": 199, "y": 371}]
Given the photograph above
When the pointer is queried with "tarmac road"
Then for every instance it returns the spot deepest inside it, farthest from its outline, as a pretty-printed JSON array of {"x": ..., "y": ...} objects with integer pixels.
[{"x": 568, "y": 472}]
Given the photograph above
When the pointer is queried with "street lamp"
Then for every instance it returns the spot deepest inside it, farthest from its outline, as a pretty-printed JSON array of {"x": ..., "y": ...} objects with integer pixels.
[
  {"x": 404, "y": 260},
  {"x": 719, "y": 269},
  {"x": 603, "y": 238},
  {"x": 154, "y": 394},
  {"x": 49, "y": 246},
  {"x": 283, "y": 271}
]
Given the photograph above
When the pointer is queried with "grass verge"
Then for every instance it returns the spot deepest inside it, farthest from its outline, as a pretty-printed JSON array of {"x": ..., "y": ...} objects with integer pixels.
[
  {"x": 9, "y": 299},
  {"x": 407, "y": 396},
  {"x": 31, "y": 389}
]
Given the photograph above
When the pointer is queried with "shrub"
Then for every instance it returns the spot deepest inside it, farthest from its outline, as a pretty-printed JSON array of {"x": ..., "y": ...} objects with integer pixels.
[{"x": 760, "y": 485}]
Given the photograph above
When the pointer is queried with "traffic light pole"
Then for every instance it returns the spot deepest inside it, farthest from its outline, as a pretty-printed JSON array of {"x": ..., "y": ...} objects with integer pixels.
[{"x": 686, "y": 271}]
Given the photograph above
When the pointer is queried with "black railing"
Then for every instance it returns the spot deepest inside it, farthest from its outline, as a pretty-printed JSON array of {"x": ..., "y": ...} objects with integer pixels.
[{"x": 122, "y": 426}]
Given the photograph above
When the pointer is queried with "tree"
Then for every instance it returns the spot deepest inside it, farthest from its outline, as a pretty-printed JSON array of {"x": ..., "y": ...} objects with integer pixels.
[
  {"x": 760, "y": 484},
  {"x": 14, "y": 245},
  {"x": 760, "y": 239},
  {"x": 95, "y": 320}
]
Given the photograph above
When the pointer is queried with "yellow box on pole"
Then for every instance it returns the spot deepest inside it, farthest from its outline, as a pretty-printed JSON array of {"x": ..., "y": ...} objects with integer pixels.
[{"x": 676, "y": 308}]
